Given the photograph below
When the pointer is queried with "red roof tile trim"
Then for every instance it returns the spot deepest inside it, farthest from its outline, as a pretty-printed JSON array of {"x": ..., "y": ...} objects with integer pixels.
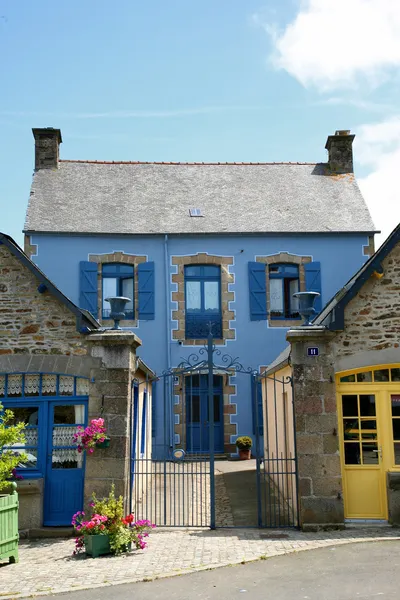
[{"x": 139, "y": 162}]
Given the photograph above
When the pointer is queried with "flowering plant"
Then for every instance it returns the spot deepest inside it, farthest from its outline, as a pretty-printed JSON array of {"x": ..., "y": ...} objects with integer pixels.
[
  {"x": 11, "y": 435},
  {"x": 88, "y": 437},
  {"x": 108, "y": 519}
]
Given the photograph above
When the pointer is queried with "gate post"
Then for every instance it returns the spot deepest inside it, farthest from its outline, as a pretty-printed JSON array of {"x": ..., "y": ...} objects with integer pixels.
[
  {"x": 320, "y": 499},
  {"x": 110, "y": 397},
  {"x": 210, "y": 351}
]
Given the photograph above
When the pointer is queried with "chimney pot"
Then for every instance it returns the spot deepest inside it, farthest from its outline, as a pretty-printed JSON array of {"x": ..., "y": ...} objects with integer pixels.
[
  {"x": 47, "y": 147},
  {"x": 340, "y": 151}
]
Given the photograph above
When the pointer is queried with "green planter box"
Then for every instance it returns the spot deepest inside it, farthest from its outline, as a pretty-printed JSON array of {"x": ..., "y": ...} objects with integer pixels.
[
  {"x": 96, "y": 545},
  {"x": 9, "y": 526},
  {"x": 105, "y": 444}
]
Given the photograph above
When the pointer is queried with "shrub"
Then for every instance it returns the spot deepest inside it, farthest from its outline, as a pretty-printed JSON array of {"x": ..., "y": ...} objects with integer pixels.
[
  {"x": 10, "y": 435},
  {"x": 244, "y": 442}
]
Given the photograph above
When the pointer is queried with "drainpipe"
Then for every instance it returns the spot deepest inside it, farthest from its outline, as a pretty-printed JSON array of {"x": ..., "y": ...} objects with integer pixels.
[{"x": 168, "y": 332}]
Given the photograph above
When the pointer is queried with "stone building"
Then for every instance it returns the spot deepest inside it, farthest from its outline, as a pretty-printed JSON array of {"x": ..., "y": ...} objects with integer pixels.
[
  {"x": 59, "y": 369},
  {"x": 346, "y": 398}
]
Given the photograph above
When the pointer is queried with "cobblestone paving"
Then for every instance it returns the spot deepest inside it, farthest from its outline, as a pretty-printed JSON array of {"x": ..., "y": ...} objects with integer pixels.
[{"x": 47, "y": 567}]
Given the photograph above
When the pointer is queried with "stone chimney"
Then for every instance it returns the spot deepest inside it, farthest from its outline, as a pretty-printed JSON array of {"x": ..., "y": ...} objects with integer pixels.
[
  {"x": 47, "y": 147},
  {"x": 340, "y": 152}
]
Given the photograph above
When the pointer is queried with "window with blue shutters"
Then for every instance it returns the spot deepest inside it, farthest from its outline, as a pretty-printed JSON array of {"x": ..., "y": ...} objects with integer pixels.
[
  {"x": 283, "y": 283},
  {"x": 88, "y": 287},
  {"x": 203, "y": 301},
  {"x": 146, "y": 284},
  {"x": 313, "y": 282},
  {"x": 258, "y": 291},
  {"x": 118, "y": 280}
]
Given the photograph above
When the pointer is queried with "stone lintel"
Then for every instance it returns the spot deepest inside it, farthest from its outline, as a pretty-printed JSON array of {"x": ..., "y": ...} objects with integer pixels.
[
  {"x": 115, "y": 337},
  {"x": 309, "y": 333}
]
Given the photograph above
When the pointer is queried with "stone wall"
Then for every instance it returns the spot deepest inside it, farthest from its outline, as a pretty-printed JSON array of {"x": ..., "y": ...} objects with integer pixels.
[
  {"x": 31, "y": 322},
  {"x": 319, "y": 471},
  {"x": 372, "y": 318}
]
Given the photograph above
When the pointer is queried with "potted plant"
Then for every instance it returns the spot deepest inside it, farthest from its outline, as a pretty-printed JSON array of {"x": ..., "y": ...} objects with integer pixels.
[
  {"x": 91, "y": 437},
  {"x": 108, "y": 530},
  {"x": 244, "y": 444},
  {"x": 11, "y": 434}
]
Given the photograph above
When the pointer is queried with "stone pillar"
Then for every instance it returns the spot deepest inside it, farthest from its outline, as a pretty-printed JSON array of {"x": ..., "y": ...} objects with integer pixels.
[
  {"x": 110, "y": 396},
  {"x": 319, "y": 472}
]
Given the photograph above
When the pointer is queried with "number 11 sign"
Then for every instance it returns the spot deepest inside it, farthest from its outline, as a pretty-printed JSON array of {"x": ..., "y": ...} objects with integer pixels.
[{"x": 314, "y": 351}]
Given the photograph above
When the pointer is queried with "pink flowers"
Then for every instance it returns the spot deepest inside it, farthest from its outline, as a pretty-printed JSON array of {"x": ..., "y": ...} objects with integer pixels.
[
  {"x": 108, "y": 519},
  {"x": 88, "y": 437}
]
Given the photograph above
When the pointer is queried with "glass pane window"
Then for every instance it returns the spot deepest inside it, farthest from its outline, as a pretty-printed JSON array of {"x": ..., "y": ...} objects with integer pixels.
[
  {"x": 203, "y": 301},
  {"x": 381, "y": 375},
  {"x": 276, "y": 303},
  {"x": 350, "y": 405},
  {"x": 14, "y": 385},
  {"x": 364, "y": 377},
  {"x": 395, "y": 405},
  {"x": 118, "y": 280},
  {"x": 82, "y": 386},
  {"x": 49, "y": 385},
  {"x": 32, "y": 385},
  {"x": 109, "y": 290},
  {"x": 283, "y": 283},
  {"x": 69, "y": 414},
  {"x": 211, "y": 295},
  {"x": 193, "y": 295},
  {"x": 367, "y": 405},
  {"x": 2, "y": 386},
  {"x": 352, "y": 453},
  {"x": 66, "y": 458},
  {"x": 29, "y": 415},
  {"x": 66, "y": 385},
  {"x": 395, "y": 374},
  {"x": 348, "y": 379}
]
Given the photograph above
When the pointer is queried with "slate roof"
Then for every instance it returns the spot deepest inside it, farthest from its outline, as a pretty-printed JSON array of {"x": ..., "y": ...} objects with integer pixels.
[
  {"x": 155, "y": 198},
  {"x": 85, "y": 321}
]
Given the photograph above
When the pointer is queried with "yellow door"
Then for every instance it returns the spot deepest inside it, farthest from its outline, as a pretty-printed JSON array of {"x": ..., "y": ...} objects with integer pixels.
[{"x": 362, "y": 417}]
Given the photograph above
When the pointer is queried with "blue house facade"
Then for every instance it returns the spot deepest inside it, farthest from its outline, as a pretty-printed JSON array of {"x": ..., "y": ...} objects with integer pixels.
[{"x": 195, "y": 246}]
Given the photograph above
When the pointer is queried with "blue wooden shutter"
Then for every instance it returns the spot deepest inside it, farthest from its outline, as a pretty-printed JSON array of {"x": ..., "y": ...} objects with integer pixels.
[
  {"x": 146, "y": 290},
  {"x": 88, "y": 286},
  {"x": 258, "y": 291},
  {"x": 313, "y": 282}
]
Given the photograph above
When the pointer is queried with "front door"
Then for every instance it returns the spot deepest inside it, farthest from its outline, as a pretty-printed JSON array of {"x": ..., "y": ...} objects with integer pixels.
[
  {"x": 198, "y": 417},
  {"x": 362, "y": 421},
  {"x": 64, "y": 465}
]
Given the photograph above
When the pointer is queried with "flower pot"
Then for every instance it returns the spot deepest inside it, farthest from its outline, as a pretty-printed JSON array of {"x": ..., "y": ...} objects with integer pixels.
[
  {"x": 9, "y": 526},
  {"x": 96, "y": 545},
  {"x": 244, "y": 453},
  {"x": 103, "y": 444}
]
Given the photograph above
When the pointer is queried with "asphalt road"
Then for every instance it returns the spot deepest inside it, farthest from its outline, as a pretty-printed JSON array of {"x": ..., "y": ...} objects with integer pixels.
[{"x": 351, "y": 572}]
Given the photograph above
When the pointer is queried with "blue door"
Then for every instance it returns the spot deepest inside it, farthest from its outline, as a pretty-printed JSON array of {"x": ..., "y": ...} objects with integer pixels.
[
  {"x": 197, "y": 414},
  {"x": 63, "y": 494}
]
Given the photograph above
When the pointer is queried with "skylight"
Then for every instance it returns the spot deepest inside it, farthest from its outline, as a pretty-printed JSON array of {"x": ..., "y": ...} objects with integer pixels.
[{"x": 195, "y": 212}]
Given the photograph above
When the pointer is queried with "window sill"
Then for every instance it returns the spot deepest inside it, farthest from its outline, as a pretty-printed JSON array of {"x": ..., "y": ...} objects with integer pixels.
[
  {"x": 202, "y": 341},
  {"x": 278, "y": 322}
]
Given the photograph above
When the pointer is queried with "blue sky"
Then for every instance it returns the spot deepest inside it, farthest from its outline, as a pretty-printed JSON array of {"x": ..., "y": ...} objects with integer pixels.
[{"x": 217, "y": 80}]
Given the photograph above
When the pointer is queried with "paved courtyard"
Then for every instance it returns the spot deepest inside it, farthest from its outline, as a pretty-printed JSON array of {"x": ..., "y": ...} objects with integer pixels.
[{"x": 47, "y": 567}]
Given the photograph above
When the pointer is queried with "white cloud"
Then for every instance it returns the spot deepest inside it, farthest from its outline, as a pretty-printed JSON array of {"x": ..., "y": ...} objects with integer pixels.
[
  {"x": 337, "y": 44},
  {"x": 377, "y": 146}
]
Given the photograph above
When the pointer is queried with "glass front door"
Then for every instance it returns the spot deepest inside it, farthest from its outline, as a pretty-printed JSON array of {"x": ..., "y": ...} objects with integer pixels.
[
  {"x": 198, "y": 416},
  {"x": 364, "y": 481},
  {"x": 64, "y": 465}
]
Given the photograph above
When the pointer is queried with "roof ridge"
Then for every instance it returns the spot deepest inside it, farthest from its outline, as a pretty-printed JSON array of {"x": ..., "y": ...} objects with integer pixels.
[{"x": 183, "y": 163}]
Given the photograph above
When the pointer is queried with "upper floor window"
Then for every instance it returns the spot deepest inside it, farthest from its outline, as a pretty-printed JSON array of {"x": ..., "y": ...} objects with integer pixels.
[
  {"x": 118, "y": 280},
  {"x": 283, "y": 283},
  {"x": 203, "y": 301}
]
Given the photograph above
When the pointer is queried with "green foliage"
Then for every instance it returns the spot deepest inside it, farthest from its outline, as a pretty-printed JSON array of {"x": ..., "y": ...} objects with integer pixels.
[
  {"x": 244, "y": 442},
  {"x": 111, "y": 507},
  {"x": 10, "y": 435}
]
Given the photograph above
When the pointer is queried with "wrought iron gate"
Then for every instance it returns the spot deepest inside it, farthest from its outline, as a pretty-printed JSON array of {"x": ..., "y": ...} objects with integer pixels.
[{"x": 188, "y": 481}]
